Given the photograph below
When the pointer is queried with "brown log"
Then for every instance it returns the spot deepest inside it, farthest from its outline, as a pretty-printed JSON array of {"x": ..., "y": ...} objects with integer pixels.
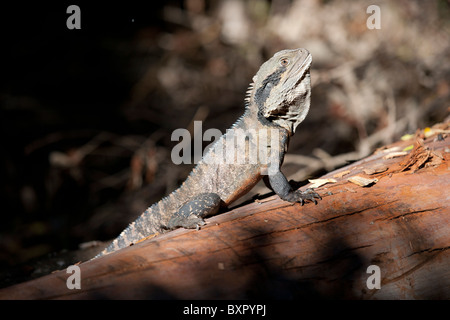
[{"x": 272, "y": 249}]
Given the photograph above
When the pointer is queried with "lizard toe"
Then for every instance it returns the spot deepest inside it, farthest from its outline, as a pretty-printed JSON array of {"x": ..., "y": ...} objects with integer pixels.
[{"x": 302, "y": 196}]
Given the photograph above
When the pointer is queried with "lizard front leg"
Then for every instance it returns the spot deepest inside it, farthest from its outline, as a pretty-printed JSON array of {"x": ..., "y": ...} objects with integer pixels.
[
  {"x": 278, "y": 181},
  {"x": 281, "y": 186},
  {"x": 191, "y": 214}
]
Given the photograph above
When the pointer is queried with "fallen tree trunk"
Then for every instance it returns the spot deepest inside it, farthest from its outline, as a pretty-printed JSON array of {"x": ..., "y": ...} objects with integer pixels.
[{"x": 388, "y": 239}]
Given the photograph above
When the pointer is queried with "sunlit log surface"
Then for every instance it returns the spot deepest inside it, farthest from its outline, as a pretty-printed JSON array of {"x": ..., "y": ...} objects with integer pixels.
[{"x": 272, "y": 249}]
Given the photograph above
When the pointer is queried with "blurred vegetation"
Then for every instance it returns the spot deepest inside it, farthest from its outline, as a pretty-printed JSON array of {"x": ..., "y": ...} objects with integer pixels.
[{"x": 86, "y": 115}]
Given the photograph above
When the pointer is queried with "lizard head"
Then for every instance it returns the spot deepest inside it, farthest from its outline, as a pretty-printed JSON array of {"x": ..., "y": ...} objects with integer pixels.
[{"x": 281, "y": 89}]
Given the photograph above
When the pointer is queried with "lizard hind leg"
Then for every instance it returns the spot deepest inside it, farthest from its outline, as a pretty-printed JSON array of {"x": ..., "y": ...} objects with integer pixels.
[{"x": 191, "y": 214}]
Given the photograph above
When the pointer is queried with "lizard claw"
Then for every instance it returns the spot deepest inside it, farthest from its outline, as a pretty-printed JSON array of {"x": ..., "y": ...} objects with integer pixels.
[{"x": 302, "y": 196}]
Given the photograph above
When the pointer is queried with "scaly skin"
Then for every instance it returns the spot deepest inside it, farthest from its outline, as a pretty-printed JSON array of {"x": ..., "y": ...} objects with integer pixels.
[{"x": 277, "y": 101}]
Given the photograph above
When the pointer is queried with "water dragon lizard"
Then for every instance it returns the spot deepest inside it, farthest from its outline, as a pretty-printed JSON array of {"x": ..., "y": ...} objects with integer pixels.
[{"x": 277, "y": 101}]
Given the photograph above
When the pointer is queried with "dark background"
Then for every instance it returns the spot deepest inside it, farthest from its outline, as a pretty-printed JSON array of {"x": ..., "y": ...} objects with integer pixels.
[{"x": 86, "y": 115}]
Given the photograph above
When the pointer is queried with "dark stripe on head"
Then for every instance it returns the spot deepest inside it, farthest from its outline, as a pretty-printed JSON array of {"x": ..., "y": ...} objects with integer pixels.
[{"x": 263, "y": 92}]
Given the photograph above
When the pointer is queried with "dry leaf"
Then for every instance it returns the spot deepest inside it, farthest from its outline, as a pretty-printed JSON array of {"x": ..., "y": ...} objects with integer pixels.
[
  {"x": 395, "y": 155},
  {"x": 428, "y": 132},
  {"x": 410, "y": 147},
  {"x": 361, "y": 181},
  {"x": 384, "y": 150},
  {"x": 341, "y": 174},
  {"x": 407, "y": 137},
  {"x": 320, "y": 182},
  {"x": 376, "y": 169}
]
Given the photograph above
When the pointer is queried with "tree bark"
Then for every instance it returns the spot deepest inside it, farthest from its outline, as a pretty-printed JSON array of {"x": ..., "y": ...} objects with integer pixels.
[{"x": 398, "y": 224}]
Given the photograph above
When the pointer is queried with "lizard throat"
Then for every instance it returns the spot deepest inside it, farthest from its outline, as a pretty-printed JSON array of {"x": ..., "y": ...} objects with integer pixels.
[{"x": 292, "y": 108}]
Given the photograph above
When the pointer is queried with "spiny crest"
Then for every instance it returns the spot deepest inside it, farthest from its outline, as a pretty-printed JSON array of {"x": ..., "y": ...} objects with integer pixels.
[{"x": 248, "y": 94}]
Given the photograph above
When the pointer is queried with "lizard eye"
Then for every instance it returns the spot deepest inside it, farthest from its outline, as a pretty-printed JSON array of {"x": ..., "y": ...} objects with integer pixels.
[{"x": 284, "y": 62}]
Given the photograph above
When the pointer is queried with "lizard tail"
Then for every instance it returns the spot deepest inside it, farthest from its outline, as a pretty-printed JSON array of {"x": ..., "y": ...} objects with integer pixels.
[
  {"x": 152, "y": 221},
  {"x": 136, "y": 231}
]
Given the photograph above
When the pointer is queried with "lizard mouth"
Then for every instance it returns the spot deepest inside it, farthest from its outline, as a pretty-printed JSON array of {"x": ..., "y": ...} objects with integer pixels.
[{"x": 295, "y": 88}]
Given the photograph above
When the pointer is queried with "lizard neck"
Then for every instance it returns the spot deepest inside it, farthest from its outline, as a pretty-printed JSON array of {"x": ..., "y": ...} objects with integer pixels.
[{"x": 254, "y": 114}]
